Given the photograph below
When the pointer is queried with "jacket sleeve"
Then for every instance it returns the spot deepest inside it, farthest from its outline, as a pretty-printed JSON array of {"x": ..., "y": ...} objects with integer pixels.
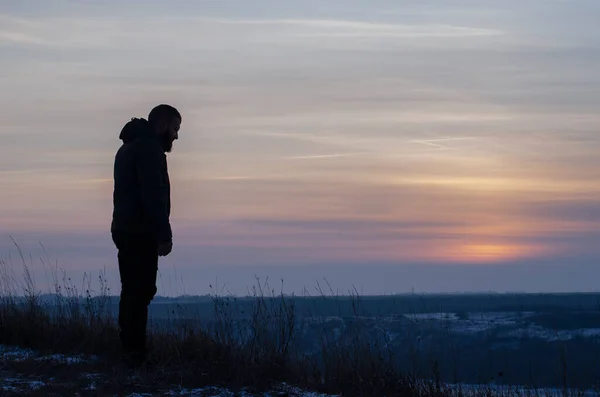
[{"x": 154, "y": 190}]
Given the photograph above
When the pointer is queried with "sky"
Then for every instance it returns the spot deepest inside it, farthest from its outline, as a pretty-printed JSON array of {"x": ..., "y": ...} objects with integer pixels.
[{"x": 387, "y": 146}]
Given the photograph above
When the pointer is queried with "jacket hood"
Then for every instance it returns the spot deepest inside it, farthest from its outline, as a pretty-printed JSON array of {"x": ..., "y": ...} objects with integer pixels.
[{"x": 134, "y": 129}]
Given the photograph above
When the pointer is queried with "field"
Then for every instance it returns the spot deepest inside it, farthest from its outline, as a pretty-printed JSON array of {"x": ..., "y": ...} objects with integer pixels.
[
  {"x": 408, "y": 345},
  {"x": 544, "y": 340}
]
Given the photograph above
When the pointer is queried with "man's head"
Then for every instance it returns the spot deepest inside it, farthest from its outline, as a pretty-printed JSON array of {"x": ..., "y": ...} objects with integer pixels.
[{"x": 165, "y": 120}]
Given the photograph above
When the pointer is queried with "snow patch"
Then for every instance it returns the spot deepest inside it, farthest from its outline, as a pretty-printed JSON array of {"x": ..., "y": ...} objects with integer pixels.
[
  {"x": 208, "y": 392},
  {"x": 220, "y": 392},
  {"x": 17, "y": 354},
  {"x": 432, "y": 316},
  {"x": 8, "y": 353},
  {"x": 535, "y": 331},
  {"x": 516, "y": 390},
  {"x": 32, "y": 384},
  {"x": 59, "y": 358},
  {"x": 475, "y": 322},
  {"x": 296, "y": 392},
  {"x": 91, "y": 376}
]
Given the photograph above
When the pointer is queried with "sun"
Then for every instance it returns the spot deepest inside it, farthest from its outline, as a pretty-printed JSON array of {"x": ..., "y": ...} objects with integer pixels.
[{"x": 489, "y": 252}]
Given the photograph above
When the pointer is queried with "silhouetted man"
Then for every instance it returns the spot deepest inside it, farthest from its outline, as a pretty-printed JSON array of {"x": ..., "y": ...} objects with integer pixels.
[{"x": 140, "y": 227}]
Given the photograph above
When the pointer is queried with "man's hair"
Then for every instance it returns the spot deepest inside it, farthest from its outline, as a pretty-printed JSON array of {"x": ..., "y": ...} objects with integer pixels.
[{"x": 163, "y": 112}]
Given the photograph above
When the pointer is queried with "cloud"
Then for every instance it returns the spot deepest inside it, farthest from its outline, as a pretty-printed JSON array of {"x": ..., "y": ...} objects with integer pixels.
[
  {"x": 584, "y": 212},
  {"x": 357, "y": 29},
  {"x": 378, "y": 116},
  {"x": 366, "y": 226},
  {"x": 101, "y": 33},
  {"x": 502, "y": 184},
  {"x": 181, "y": 32},
  {"x": 20, "y": 38},
  {"x": 440, "y": 143},
  {"x": 326, "y": 156}
]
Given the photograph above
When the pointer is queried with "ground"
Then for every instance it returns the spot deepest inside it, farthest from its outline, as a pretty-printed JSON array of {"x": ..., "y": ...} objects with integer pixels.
[{"x": 25, "y": 372}]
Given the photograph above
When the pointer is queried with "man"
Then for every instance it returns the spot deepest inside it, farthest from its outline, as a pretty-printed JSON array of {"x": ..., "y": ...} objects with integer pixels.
[{"x": 140, "y": 227}]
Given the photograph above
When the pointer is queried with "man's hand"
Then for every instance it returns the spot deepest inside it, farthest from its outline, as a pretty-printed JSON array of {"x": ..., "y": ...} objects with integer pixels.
[{"x": 164, "y": 249}]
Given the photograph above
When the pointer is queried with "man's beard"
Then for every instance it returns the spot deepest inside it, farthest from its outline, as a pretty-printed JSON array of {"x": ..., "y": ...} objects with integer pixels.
[{"x": 166, "y": 143}]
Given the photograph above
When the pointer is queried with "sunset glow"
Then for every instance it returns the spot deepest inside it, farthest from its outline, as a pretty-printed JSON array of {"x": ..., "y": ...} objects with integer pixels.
[{"x": 490, "y": 252}]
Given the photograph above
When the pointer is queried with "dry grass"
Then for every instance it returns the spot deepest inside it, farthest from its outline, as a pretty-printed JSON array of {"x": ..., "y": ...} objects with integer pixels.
[{"x": 257, "y": 352}]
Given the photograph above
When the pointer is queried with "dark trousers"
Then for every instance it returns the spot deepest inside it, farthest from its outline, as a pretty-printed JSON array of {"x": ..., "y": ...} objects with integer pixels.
[{"x": 138, "y": 265}]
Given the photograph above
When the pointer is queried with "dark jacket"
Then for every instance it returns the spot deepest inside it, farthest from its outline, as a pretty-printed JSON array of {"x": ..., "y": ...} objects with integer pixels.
[{"x": 141, "y": 198}]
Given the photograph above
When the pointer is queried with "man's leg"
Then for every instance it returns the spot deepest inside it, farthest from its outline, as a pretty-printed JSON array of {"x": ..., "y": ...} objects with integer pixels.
[{"x": 138, "y": 264}]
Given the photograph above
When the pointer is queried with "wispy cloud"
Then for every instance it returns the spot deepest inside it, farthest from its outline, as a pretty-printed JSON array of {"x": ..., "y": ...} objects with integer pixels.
[
  {"x": 326, "y": 156},
  {"x": 80, "y": 32},
  {"x": 325, "y": 138},
  {"x": 500, "y": 184},
  {"x": 437, "y": 142},
  {"x": 355, "y": 28},
  {"x": 18, "y": 37},
  {"x": 232, "y": 178},
  {"x": 186, "y": 31}
]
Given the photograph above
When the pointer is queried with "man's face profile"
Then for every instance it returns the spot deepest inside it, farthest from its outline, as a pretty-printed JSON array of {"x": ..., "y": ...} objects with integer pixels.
[{"x": 169, "y": 134}]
